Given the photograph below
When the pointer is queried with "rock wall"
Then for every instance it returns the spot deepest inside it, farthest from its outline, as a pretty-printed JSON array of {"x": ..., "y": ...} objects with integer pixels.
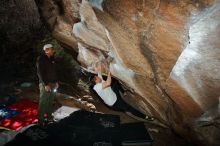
[
  {"x": 20, "y": 29},
  {"x": 165, "y": 52},
  {"x": 20, "y": 22}
]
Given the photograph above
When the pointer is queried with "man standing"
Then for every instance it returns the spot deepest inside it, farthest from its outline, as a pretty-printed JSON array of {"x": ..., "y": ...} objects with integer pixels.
[
  {"x": 111, "y": 96},
  {"x": 48, "y": 82}
]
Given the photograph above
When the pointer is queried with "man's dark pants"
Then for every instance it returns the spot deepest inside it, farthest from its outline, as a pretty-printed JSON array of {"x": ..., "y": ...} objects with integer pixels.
[{"x": 45, "y": 104}]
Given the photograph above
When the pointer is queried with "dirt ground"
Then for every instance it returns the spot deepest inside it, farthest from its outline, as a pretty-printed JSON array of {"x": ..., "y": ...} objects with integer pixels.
[{"x": 161, "y": 136}]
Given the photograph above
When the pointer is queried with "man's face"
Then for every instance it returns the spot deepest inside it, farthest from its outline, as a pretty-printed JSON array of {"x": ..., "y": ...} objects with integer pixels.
[
  {"x": 98, "y": 79},
  {"x": 50, "y": 52}
]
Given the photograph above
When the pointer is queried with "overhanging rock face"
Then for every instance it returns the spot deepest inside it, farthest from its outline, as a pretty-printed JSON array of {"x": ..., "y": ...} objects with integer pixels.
[{"x": 166, "y": 53}]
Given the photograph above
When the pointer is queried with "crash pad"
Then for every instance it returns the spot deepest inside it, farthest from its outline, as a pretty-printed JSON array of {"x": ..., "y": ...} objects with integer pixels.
[
  {"x": 27, "y": 110},
  {"x": 7, "y": 113},
  {"x": 83, "y": 128},
  {"x": 62, "y": 112}
]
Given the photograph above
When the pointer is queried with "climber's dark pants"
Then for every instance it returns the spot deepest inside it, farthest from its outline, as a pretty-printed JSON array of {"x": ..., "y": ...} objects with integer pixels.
[{"x": 120, "y": 104}]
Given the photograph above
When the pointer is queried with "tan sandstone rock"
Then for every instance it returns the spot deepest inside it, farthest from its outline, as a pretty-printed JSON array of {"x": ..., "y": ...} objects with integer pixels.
[{"x": 165, "y": 52}]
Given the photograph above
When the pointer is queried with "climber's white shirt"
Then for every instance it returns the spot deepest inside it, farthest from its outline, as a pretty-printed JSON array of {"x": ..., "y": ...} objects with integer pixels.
[{"x": 107, "y": 94}]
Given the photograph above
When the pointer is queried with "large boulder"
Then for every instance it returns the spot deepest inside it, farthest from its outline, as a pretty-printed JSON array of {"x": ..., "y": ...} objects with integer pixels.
[
  {"x": 20, "y": 30},
  {"x": 165, "y": 52}
]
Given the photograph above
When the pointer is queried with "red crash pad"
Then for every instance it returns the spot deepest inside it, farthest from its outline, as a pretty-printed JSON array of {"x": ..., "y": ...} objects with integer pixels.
[{"x": 27, "y": 115}]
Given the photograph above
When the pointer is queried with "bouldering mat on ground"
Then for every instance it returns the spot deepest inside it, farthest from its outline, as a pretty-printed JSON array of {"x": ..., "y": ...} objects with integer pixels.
[
  {"x": 91, "y": 119},
  {"x": 27, "y": 115},
  {"x": 81, "y": 128},
  {"x": 34, "y": 136},
  {"x": 84, "y": 128},
  {"x": 7, "y": 113}
]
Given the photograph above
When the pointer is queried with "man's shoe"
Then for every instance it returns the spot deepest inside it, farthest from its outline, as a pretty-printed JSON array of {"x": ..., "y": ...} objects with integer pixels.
[{"x": 48, "y": 121}]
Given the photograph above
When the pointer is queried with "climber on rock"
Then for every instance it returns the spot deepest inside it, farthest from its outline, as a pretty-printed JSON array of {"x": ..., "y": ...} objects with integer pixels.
[{"x": 110, "y": 92}]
